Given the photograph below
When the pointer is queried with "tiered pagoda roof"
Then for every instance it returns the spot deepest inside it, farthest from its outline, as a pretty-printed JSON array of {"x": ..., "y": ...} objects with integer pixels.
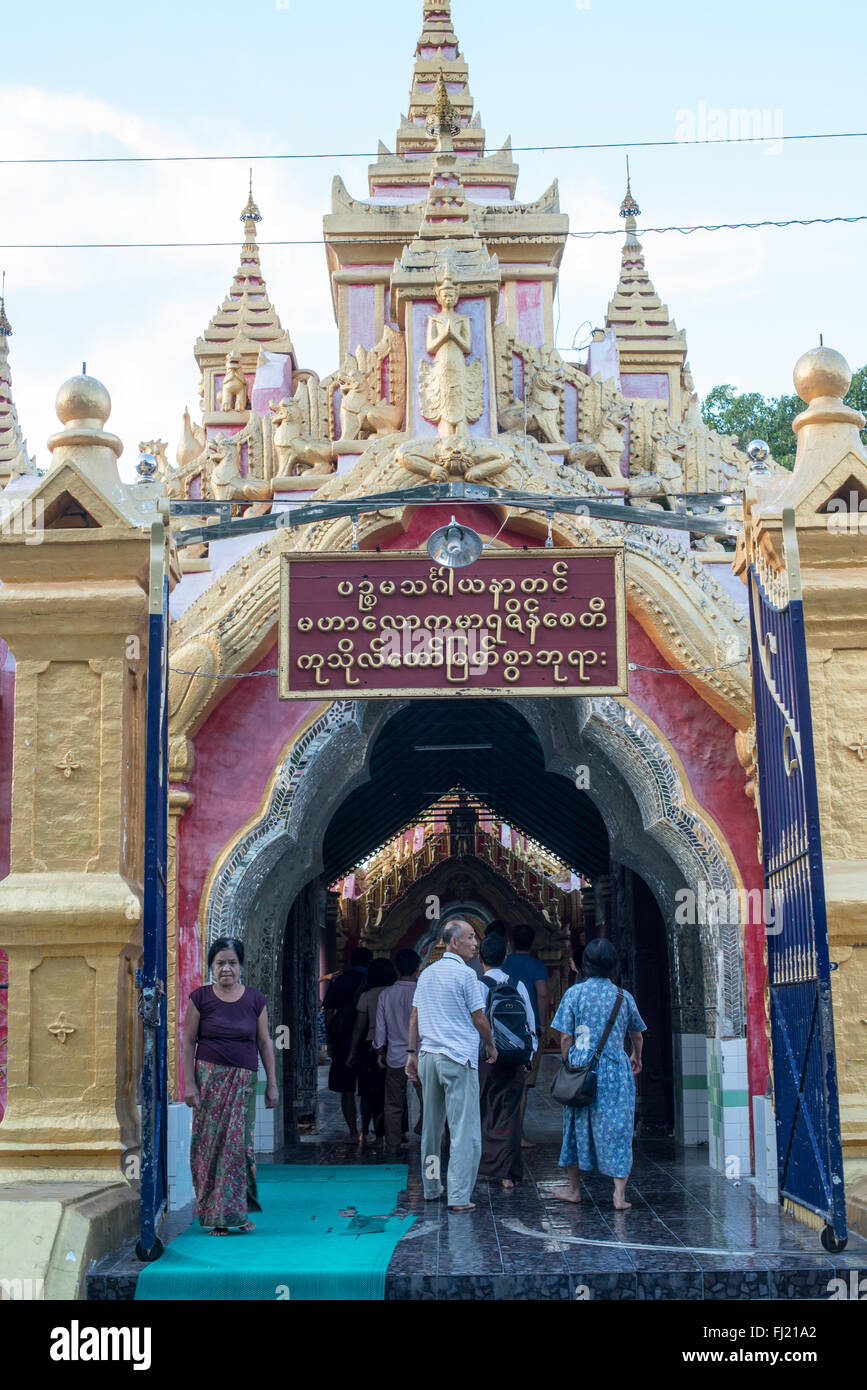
[
  {"x": 438, "y": 55},
  {"x": 247, "y": 320},
  {"x": 640, "y": 320},
  {"x": 13, "y": 446}
]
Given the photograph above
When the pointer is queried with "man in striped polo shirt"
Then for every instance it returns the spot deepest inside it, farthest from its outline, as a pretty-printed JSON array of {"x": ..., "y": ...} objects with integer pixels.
[{"x": 449, "y": 1016}]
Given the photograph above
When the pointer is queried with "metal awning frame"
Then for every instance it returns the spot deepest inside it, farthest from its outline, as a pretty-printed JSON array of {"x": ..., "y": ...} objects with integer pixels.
[{"x": 454, "y": 493}]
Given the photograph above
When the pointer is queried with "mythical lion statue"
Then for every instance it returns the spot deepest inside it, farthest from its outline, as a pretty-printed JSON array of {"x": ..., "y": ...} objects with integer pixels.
[
  {"x": 294, "y": 452},
  {"x": 233, "y": 396},
  {"x": 360, "y": 414}
]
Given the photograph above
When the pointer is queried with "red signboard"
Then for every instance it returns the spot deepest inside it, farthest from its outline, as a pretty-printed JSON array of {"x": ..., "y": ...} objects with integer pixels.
[{"x": 541, "y": 622}]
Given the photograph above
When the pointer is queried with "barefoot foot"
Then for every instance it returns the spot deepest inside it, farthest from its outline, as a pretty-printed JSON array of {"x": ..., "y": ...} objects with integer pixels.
[{"x": 567, "y": 1194}]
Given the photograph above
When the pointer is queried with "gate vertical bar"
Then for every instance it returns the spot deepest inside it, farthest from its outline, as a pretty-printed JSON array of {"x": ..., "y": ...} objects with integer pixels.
[
  {"x": 152, "y": 976},
  {"x": 806, "y": 1101}
]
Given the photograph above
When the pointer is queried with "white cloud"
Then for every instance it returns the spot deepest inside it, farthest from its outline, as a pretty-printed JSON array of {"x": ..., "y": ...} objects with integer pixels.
[{"x": 134, "y": 315}]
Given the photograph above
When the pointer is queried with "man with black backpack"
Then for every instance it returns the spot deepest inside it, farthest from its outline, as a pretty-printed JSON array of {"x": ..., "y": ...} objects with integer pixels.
[{"x": 501, "y": 1083}]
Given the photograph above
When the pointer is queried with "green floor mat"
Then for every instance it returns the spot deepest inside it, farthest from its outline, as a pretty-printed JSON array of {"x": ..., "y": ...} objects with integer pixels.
[{"x": 302, "y": 1248}]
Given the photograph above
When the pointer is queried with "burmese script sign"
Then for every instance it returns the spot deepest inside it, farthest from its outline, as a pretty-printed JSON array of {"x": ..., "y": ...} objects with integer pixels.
[{"x": 540, "y": 622}]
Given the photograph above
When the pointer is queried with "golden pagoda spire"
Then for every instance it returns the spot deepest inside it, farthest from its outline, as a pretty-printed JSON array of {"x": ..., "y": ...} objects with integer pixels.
[
  {"x": 247, "y": 320},
  {"x": 649, "y": 341},
  {"x": 629, "y": 210},
  {"x": 14, "y": 459},
  {"x": 251, "y": 215},
  {"x": 446, "y": 212},
  {"x": 440, "y": 71}
]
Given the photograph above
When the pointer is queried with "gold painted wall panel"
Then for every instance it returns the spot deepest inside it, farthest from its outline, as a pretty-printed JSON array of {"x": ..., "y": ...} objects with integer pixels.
[
  {"x": 62, "y": 1057},
  {"x": 65, "y": 827},
  {"x": 840, "y": 719}
]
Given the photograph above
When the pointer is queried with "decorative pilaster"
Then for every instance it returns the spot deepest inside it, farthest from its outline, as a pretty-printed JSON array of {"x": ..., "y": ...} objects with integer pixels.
[{"x": 72, "y": 609}]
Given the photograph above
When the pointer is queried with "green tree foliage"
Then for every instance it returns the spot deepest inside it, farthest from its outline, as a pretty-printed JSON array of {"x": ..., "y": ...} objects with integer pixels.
[{"x": 750, "y": 415}]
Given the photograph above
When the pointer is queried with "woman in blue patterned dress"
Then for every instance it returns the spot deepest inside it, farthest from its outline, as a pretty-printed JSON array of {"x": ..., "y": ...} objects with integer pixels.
[{"x": 599, "y": 1135}]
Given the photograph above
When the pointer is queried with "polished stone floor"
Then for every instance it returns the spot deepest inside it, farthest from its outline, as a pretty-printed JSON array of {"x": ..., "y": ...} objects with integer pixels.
[{"x": 691, "y": 1234}]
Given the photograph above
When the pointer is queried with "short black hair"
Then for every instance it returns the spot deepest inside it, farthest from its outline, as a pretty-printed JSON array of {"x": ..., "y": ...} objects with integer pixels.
[
  {"x": 226, "y": 943},
  {"x": 380, "y": 972},
  {"x": 493, "y": 949},
  {"x": 498, "y": 925},
  {"x": 361, "y": 956},
  {"x": 407, "y": 962},
  {"x": 600, "y": 958},
  {"x": 523, "y": 937}
]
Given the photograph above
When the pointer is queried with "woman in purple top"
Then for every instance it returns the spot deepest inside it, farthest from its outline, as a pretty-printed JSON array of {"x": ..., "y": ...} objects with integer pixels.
[{"x": 227, "y": 1025}]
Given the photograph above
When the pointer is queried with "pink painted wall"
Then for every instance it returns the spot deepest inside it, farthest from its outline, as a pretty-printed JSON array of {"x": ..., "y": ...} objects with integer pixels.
[
  {"x": 236, "y": 752},
  {"x": 531, "y": 319},
  {"x": 362, "y": 316},
  {"x": 704, "y": 742},
  {"x": 570, "y": 412},
  {"x": 645, "y": 386}
]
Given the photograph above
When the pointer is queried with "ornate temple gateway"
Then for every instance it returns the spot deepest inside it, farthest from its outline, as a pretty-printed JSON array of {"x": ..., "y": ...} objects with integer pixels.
[{"x": 309, "y": 825}]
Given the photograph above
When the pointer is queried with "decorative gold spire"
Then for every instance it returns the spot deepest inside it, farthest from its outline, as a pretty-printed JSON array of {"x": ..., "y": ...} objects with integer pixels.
[
  {"x": 440, "y": 82},
  {"x": 251, "y": 214},
  {"x": 446, "y": 212},
  {"x": 629, "y": 210},
  {"x": 14, "y": 459},
  {"x": 642, "y": 324},
  {"x": 247, "y": 320},
  {"x": 443, "y": 122},
  {"x": 440, "y": 92}
]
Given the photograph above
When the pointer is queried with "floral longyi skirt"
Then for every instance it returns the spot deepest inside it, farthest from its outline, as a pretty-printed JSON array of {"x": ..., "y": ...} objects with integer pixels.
[{"x": 222, "y": 1157}]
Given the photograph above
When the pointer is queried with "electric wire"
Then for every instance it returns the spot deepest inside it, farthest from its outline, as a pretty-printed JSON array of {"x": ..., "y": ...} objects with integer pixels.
[
  {"x": 492, "y": 237},
  {"x": 376, "y": 154}
]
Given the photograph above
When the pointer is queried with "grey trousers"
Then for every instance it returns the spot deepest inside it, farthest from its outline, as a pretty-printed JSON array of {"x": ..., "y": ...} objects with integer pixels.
[{"x": 451, "y": 1091}]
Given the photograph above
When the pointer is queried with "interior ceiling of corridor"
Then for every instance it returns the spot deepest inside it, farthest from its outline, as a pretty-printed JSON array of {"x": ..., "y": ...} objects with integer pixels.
[{"x": 491, "y": 751}]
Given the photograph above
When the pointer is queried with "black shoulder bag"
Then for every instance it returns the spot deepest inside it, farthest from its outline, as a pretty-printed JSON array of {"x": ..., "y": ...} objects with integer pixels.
[{"x": 577, "y": 1085}]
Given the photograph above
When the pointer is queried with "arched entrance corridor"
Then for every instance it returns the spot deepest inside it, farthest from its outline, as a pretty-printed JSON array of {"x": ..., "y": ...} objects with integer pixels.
[{"x": 589, "y": 781}]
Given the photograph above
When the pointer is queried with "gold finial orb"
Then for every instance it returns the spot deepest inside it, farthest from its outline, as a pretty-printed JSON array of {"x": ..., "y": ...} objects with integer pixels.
[
  {"x": 822, "y": 372},
  {"x": 82, "y": 398}
]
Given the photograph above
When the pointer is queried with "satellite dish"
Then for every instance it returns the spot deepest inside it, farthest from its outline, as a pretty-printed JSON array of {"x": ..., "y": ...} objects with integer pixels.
[{"x": 455, "y": 546}]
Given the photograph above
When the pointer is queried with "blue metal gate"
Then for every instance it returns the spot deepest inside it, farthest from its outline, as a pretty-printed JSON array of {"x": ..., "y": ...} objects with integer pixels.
[
  {"x": 809, "y": 1151},
  {"x": 151, "y": 978}
]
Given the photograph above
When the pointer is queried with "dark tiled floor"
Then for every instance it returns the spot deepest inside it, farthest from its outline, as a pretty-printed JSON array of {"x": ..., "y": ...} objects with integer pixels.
[{"x": 691, "y": 1234}]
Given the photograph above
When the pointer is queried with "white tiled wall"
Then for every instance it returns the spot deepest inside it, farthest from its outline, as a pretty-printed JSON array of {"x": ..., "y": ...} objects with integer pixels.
[
  {"x": 764, "y": 1130},
  {"x": 263, "y": 1134},
  {"x": 178, "y": 1132},
  {"x": 728, "y": 1106},
  {"x": 691, "y": 1075}
]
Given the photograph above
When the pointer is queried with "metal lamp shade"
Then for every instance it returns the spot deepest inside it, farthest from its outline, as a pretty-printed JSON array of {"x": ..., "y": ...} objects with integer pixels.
[{"x": 455, "y": 546}]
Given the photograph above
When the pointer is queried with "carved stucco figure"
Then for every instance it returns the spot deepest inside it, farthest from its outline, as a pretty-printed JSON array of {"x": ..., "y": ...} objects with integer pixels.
[
  {"x": 233, "y": 396},
  {"x": 452, "y": 389},
  {"x": 475, "y": 460},
  {"x": 543, "y": 407},
  {"x": 295, "y": 453}
]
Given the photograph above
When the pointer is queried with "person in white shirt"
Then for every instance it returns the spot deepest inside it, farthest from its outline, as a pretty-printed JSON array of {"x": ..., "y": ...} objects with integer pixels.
[
  {"x": 449, "y": 1016},
  {"x": 501, "y": 1085}
]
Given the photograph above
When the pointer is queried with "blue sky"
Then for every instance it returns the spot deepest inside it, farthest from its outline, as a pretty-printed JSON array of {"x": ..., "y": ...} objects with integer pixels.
[{"x": 101, "y": 79}]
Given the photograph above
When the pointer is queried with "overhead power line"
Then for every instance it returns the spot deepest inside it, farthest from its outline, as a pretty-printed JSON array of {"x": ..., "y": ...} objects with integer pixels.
[
  {"x": 320, "y": 241},
  {"x": 375, "y": 154}
]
